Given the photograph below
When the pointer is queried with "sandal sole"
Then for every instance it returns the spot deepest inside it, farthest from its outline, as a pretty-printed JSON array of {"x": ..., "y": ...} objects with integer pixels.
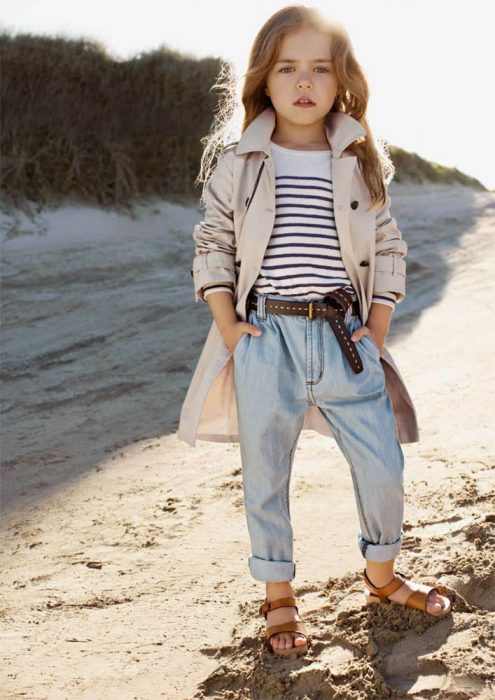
[{"x": 375, "y": 600}]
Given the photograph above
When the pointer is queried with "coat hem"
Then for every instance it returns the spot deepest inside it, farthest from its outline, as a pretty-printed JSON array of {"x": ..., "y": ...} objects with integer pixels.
[{"x": 216, "y": 437}]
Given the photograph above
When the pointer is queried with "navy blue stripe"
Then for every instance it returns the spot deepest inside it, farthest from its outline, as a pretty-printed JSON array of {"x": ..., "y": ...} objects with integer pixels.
[
  {"x": 316, "y": 255},
  {"x": 309, "y": 217},
  {"x": 326, "y": 236},
  {"x": 303, "y": 206},
  {"x": 379, "y": 296},
  {"x": 301, "y": 245},
  {"x": 303, "y": 196},
  {"x": 304, "y": 187},
  {"x": 306, "y": 216},
  {"x": 309, "y": 284},
  {"x": 301, "y": 223},
  {"x": 264, "y": 282},
  {"x": 302, "y": 177},
  {"x": 316, "y": 289},
  {"x": 305, "y": 255},
  {"x": 330, "y": 268}
]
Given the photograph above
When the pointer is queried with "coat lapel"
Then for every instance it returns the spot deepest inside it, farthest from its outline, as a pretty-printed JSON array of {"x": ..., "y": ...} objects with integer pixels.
[{"x": 341, "y": 130}]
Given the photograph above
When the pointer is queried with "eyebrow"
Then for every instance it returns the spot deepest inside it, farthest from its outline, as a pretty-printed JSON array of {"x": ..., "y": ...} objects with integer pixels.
[{"x": 315, "y": 60}]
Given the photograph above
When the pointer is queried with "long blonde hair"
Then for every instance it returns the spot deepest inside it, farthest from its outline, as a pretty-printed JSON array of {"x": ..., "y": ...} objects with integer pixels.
[{"x": 352, "y": 97}]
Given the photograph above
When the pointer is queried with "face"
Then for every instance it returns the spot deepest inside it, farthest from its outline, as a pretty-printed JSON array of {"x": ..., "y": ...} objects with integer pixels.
[{"x": 303, "y": 76}]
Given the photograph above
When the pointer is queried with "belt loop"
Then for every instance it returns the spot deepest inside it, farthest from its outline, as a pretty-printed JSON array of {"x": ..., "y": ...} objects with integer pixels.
[
  {"x": 348, "y": 314},
  {"x": 260, "y": 310}
]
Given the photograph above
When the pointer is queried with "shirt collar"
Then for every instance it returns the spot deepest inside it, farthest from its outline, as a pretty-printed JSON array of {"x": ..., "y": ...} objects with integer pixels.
[{"x": 341, "y": 130}]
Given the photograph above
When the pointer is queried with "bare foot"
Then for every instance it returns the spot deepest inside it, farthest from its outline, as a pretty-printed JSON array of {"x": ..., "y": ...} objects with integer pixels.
[
  {"x": 282, "y": 640},
  {"x": 435, "y": 602}
]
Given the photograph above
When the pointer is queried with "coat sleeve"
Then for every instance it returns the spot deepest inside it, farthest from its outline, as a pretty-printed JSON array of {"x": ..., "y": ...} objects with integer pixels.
[
  {"x": 390, "y": 252},
  {"x": 214, "y": 261}
]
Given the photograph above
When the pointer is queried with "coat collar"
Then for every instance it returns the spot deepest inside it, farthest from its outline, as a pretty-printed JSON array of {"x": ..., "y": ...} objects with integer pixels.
[{"x": 341, "y": 130}]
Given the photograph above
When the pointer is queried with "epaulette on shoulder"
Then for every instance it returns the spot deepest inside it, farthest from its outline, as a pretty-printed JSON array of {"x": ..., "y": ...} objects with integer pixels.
[{"x": 230, "y": 146}]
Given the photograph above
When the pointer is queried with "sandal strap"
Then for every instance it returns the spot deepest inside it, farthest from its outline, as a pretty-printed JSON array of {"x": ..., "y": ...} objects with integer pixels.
[
  {"x": 268, "y": 605},
  {"x": 388, "y": 589},
  {"x": 293, "y": 626},
  {"x": 417, "y": 599}
]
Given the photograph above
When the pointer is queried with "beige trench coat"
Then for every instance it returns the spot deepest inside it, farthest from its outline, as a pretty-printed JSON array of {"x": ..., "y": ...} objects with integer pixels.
[{"x": 230, "y": 245}]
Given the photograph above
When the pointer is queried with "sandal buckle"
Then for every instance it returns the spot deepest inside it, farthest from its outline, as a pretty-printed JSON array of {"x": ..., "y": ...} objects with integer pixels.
[{"x": 264, "y": 608}]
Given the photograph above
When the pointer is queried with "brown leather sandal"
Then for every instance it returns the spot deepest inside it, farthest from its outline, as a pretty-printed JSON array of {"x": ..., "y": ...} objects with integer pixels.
[
  {"x": 416, "y": 600},
  {"x": 292, "y": 626}
]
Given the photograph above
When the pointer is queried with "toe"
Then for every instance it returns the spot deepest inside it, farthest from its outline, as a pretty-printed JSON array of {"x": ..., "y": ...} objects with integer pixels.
[
  {"x": 434, "y": 606},
  {"x": 435, "y": 603},
  {"x": 288, "y": 638}
]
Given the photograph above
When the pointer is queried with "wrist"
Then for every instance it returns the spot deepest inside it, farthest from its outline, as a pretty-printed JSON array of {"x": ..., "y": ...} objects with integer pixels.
[{"x": 379, "y": 318}]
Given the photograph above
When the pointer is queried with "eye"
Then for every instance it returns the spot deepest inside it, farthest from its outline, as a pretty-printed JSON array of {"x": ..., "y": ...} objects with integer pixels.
[{"x": 325, "y": 69}]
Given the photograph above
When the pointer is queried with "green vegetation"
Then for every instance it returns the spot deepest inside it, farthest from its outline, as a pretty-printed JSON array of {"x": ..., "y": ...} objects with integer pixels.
[{"x": 76, "y": 123}]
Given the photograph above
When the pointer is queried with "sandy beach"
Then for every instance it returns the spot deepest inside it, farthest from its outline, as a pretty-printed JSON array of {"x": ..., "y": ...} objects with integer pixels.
[{"x": 124, "y": 550}]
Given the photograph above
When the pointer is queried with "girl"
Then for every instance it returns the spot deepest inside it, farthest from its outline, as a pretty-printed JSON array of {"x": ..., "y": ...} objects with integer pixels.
[{"x": 302, "y": 266}]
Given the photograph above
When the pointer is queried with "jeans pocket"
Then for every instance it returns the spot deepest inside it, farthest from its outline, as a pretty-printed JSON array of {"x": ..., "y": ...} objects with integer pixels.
[
  {"x": 374, "y": 346},
  {"x": 239, "y": 342}
]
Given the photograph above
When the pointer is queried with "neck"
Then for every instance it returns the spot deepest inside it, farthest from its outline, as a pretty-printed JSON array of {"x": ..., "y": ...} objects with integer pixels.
[{"x": 302, "y": 136}]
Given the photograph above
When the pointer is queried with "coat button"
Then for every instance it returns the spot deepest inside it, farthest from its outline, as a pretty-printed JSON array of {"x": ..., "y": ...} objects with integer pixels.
[
  {"x": 354, "y": 204},
  {"x": 364, "y": 263}
]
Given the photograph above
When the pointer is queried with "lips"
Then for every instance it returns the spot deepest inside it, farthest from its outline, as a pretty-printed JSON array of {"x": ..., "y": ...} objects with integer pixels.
[{"x": 304, "y": 99}]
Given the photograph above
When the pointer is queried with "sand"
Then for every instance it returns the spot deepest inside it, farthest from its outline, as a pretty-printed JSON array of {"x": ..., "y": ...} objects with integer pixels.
[{"x": 124, "y": 550}]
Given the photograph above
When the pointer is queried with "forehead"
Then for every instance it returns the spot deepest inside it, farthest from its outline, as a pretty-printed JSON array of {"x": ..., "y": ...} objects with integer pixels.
[{"x": 305, "y": 44}]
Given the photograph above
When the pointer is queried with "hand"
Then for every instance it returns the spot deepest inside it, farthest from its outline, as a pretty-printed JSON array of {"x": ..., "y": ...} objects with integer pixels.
[
  {"x": 364, "y": 330},
  {"x": 233, "y": 332}
]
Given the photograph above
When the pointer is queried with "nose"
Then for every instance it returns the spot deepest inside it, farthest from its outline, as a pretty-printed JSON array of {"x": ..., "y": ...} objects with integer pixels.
[{"x": 303, "y": 81}]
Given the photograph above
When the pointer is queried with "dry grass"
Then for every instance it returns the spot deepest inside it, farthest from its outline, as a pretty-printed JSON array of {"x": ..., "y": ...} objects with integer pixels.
[
  {"x": 78, "y": 124},
  {"x": 413, "y": 168}
]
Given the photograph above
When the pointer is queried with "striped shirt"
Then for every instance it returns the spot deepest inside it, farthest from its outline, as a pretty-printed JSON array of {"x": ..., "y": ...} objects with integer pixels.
[{"x": 303, "y": 255}]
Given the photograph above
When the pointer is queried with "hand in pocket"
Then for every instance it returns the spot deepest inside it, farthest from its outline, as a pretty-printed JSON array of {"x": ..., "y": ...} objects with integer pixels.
[{"x": 234, "y": 332}]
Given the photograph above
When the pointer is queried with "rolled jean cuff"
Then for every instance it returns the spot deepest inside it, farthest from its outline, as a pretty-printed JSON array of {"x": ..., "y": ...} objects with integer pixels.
[
  {"x": 264, "y": 570},
  {"x": 380, "y": 552}
]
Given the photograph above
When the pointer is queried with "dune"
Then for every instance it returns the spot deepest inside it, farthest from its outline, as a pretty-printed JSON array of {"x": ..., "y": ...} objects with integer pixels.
[{"x": 124, "y": 550}]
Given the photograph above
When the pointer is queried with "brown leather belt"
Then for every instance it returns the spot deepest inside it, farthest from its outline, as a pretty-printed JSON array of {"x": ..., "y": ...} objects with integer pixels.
[{"x": 333, "y": 308}]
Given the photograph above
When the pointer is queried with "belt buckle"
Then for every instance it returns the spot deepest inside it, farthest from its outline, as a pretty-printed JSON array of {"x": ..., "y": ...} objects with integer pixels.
[{"x": 311, "y": 312}]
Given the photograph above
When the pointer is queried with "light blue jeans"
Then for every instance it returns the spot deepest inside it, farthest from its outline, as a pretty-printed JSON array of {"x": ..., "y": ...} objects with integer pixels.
[{"x": 296, "y": 362}]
